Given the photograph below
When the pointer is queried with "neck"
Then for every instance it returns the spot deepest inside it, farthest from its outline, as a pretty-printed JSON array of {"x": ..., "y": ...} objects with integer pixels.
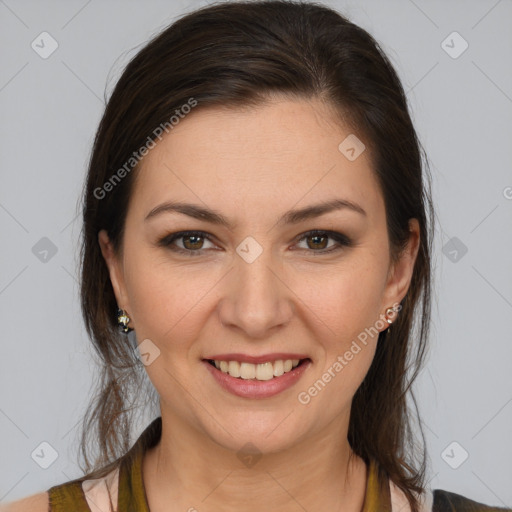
[{"x": 188, "y": 471}]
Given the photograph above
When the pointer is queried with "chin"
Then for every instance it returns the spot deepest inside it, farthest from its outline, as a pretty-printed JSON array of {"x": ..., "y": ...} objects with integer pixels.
[{"x": 257, "y": 431}]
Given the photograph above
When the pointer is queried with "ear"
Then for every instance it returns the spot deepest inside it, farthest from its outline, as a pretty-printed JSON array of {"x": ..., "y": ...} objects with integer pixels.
[
  {"x": 115, "y": 269},
  {"x": 401, "y": 271}
]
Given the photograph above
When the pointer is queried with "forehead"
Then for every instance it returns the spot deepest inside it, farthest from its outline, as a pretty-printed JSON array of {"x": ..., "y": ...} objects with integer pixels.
[{"x": 283, "y": 151}]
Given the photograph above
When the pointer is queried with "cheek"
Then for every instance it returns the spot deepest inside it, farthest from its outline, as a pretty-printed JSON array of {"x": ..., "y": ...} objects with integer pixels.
[
  {"x": 346, "y": 299},
  {"x": 348, "y": 303},
  {"x": 346, "y": 343},
  {"x": 165, "y": 299}
]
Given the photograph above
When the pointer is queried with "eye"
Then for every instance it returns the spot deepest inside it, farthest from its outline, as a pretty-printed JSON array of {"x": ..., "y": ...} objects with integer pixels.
[
  {"x": 192, "y": 241},
  {"x": 318, "y": 240}
]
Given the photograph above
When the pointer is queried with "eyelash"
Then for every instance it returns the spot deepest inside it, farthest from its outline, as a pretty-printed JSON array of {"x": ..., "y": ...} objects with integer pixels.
[{"x": 167, "y": 241}]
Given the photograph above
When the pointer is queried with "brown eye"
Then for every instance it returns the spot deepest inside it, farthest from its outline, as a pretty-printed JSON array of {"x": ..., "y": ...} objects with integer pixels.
[
  {"x": 190, "y": 243},
  {"x": 318, "y": 241},
  {"x": 196, "y": 242}
]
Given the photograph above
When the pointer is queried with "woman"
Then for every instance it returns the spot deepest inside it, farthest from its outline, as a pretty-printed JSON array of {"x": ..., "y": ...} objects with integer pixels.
[{"x": 257, "y": 220}]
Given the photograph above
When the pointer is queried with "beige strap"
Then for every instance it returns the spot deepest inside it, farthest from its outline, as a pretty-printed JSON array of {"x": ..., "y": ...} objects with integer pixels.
[{"x": 101, "y": 493}]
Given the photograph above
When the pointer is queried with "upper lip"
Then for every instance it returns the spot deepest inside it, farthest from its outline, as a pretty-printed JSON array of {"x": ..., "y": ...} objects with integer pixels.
[{"x": 246, "y": 358}]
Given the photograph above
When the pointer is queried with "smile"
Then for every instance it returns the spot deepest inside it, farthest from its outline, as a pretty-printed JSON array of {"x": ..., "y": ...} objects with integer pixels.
[
  {"x": 256, "y": 380},
  {"x": 261, "y": 371}
]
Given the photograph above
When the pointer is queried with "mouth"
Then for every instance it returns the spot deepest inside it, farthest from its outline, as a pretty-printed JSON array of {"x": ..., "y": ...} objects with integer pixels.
[
  {"x": 256, "y": 380},
  {"x": 268, "y": 370}
]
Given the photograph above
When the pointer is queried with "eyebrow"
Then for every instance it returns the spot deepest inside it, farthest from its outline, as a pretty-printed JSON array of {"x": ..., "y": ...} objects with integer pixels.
[{"x": 290, "y": 217}]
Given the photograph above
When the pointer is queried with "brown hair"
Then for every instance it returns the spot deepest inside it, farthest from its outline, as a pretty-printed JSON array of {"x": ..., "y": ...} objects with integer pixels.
[{"x": 239, "y": 54}]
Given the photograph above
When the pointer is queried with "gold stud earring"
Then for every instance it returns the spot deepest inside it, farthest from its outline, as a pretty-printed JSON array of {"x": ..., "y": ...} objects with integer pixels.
[
  {"x": 390, "y": 312},
  {"x": 122, "y": 320}
]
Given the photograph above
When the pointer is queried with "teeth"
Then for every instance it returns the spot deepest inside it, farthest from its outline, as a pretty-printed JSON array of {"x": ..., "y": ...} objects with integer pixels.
[
  {"x": 247, "y": 371},
  {"x": 278, "y": 368},
  {"x": 234, "y": 368},
  {"x": 262, "y": 371}
]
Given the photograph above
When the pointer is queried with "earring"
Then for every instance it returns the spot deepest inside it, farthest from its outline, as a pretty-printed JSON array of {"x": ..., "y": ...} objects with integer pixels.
[
  {"x": 122, "y": 321},
  {"x": 390, "y": 312}
]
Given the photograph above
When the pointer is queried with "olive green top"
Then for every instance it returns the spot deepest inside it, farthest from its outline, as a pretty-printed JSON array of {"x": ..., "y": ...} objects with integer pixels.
[{"x": 131, "y": 495}]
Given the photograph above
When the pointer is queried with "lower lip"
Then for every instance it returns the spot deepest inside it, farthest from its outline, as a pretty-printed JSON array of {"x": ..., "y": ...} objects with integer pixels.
[{"x": 252, "y": 388}]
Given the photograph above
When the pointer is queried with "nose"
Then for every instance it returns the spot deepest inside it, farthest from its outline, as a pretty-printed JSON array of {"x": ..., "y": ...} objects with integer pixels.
[{"x": 257, "y": 300}]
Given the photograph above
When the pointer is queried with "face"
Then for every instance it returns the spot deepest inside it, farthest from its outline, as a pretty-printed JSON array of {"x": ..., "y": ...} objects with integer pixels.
[{"x": 254, "y": 282}]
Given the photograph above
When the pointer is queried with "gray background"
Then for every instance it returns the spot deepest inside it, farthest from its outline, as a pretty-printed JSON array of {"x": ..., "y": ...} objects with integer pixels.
[{"x": 462, "y": 108}]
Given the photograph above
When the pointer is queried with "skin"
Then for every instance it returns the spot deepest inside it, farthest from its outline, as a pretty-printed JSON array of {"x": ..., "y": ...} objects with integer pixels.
[{"x": 253, "y": 165}]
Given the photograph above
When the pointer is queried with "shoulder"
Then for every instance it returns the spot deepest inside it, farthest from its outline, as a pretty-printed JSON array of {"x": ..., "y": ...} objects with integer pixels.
[
  {"x": 445, "y": 501},
  {"x": 34, "y": 503}
]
